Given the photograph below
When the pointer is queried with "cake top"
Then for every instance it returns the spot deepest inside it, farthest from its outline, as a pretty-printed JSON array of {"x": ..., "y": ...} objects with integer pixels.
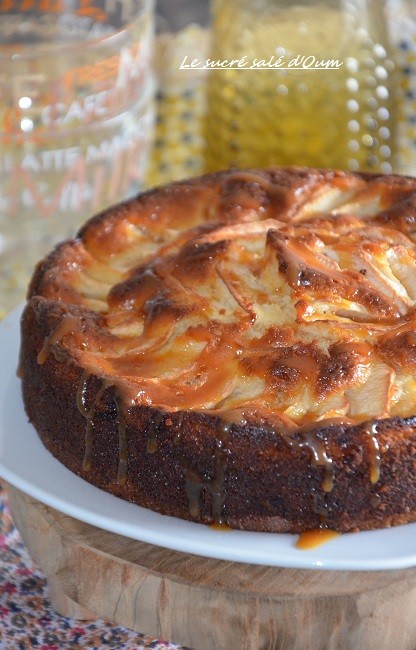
[{"x": 291, "y": 291}]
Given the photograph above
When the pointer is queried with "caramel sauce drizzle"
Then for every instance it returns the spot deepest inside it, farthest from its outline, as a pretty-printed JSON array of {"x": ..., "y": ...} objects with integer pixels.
[
  {"x": 152, "y": 442},
  {"x": 311, "y": 539},
  {"x": 370, "y": 430},
  {"x": 319, "y": 507},
  {"x": 215, "y": 379},
  {"x": 67, "y": 325},
  {"x": 300, "y": 437},
  {"x": 296, "y": 258},
  {"x": 179, "y": 429},
  {"x": 19, "y": 369},
  {"x": 320, "y": 457},
  {"x": 216, "y": 486},
  {"x": 360, "y": 317},
  {"x": 220, "y": 527},
  {"x": 194, "y": 483},
  {"x": 375, "y": 500},
  {"x": 283, "y": 200},
  {"x": 89, "y": 412},
  {"x": 274, "y": 191},
  {"x": 306, "y": 437},
  {"x": 252, "y": 177}
]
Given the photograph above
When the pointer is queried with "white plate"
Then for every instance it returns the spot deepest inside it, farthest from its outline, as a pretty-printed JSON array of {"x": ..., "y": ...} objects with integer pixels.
[{"x": 25, "y": 463}]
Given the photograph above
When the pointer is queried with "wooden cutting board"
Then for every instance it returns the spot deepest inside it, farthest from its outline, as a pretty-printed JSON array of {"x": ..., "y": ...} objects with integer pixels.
[{"x": 211, "y": 604}]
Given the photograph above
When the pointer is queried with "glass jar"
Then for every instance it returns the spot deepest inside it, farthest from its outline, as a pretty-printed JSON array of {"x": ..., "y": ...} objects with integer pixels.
[
  {"x": 402, "y": 23},
  {"x": 76, "y": 116},
  {"x": 182, "y": 30},
  {"x": 305, "y": 83}
]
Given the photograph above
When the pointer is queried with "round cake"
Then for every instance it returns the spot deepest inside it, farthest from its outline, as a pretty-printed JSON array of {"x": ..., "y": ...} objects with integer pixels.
[{"x": 236, "y": 349}]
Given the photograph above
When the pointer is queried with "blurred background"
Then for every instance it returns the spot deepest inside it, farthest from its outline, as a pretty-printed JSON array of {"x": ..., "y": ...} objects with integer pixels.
[
  {"x": 360, "y": 117},
  {"x": 87, "y": 126},
  {"x": 179, "y": 13}
]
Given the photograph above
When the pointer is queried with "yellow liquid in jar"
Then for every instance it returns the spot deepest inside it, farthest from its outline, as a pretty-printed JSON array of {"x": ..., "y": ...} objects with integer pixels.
[{"x": 341, "y": 117}]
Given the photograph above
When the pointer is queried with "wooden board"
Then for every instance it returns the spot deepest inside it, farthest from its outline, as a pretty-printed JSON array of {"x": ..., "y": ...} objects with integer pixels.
[{"x": 213, "y": 604}]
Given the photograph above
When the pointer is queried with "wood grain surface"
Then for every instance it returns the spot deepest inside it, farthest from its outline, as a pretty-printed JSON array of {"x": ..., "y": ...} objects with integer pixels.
[{"x": 210, "y": 604}]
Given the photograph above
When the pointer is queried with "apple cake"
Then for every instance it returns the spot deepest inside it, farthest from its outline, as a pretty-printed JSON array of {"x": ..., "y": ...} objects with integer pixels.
[{"x": 238, "y": 348}]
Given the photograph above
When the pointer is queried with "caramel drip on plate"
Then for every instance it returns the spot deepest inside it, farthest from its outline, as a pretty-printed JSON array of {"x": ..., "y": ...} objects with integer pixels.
[
  {"x": 371, "y": 319},
  {"x": 220, "y": 527},
  {"x": 311, "y": 539},
  {"x": 66, "y": 325}
]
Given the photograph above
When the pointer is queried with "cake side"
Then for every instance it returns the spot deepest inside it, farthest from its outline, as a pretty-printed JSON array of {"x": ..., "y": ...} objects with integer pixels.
[
  {"x": 238, "y": 348},
  {"x": 255, "y": 481}
]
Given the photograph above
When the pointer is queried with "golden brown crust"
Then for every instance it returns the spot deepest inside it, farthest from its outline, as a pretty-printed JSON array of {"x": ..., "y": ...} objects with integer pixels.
[{"x": 239, "y": 347}]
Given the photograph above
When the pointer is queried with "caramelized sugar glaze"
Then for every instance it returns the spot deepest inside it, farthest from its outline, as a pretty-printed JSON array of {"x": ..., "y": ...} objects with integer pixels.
[{"x": 239, "y": 349}]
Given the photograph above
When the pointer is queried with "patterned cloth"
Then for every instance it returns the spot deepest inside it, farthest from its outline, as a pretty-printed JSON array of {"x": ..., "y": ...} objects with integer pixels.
[{"x": 27, "y": 619}]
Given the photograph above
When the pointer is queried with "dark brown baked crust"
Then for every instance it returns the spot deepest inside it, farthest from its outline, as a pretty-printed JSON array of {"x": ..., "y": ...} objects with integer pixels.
[{"x": 238, "y": 348}]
